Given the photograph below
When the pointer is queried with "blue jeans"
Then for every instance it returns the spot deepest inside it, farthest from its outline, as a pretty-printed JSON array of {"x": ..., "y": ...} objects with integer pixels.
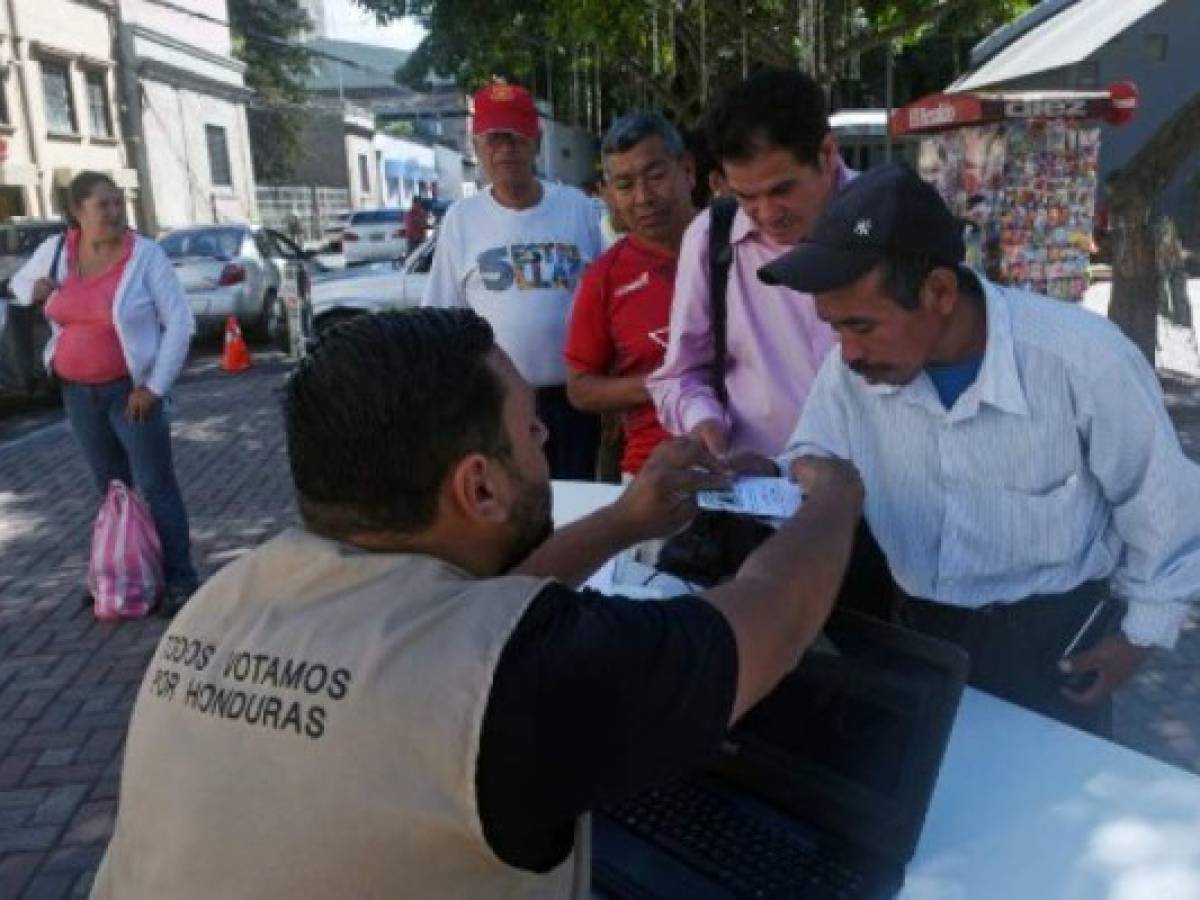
[{"x": 115, "y": 447}]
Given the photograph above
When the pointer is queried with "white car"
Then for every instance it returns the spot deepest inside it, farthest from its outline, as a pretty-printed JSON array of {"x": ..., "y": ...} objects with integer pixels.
[
  {"x": 235, "y": 270},
  {"x": 374, "y": 234},
  {"x": 337, "y": 296}
]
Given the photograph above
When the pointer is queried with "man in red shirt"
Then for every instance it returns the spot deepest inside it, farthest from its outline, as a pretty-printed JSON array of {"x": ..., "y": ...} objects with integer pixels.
[
  {"x": 416, "y": 224},
  {"x": 618, "y": 328}
]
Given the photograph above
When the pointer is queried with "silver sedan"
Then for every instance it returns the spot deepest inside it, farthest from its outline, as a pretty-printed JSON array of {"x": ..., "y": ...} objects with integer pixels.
[{"x": 235, "y": 270}]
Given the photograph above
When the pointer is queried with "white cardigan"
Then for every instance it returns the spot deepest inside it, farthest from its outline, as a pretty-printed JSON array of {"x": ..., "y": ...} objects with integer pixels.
[{"x": 151, "y": 313}]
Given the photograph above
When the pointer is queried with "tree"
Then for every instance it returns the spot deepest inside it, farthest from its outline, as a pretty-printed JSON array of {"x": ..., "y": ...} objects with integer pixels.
[
  {"x": 593, "y": 57},
  {"x": 266, "y": 37},
  {"x": 1132, "y": 194}
]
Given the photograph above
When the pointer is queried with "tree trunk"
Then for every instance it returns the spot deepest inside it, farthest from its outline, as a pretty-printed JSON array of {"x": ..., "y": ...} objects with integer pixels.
[
  {"x": 1133, "y": 193},
  {"x": 1134, "y": 303}
]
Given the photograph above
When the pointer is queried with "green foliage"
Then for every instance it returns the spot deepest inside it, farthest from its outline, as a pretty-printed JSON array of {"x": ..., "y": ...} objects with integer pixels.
[
  {"x": 266, "y": 37},
  {"x": 600, "y": 56}
]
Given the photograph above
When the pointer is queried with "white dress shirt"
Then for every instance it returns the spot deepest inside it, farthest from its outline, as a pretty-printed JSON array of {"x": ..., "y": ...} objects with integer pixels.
[{"x": 1057, "y": 466}]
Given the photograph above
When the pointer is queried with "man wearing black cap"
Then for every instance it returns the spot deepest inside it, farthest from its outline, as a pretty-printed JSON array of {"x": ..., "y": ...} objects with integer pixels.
[{"x": 1017, "y": 456}]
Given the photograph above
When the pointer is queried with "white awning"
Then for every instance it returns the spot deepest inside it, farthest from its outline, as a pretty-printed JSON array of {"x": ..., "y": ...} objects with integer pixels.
[{"x": 1069, "y": 37}]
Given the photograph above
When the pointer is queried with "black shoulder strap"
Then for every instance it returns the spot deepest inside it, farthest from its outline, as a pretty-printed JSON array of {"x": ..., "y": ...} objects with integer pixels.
[
  {"x": 58, "y": 249},
  {"x": 720, "y": 259}
]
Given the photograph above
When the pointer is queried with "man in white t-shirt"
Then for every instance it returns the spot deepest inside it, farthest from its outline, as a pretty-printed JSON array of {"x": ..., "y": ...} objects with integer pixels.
[{"x": 514, "y": 253}]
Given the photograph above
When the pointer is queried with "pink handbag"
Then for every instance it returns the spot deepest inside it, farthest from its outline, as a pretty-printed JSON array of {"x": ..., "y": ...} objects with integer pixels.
[{"x": 125, "y": 572}]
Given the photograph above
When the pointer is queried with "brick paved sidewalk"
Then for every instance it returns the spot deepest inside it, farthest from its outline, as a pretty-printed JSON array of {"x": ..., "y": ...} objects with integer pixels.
[{"x": 67, "y": 682}]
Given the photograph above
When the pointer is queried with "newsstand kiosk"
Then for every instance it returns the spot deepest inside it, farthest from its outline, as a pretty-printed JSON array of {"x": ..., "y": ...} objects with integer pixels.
[{"x": 1020, "y": 170}]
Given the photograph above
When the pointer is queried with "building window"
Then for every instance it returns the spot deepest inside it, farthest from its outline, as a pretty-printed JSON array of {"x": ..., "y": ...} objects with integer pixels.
[
  {"x": 364, "y": 173},
  {"x": 4, "y": 120},
  {"x": 1156, "y": 48},
  {"x": 220, "y": 172},
  {"x": 97, "y": 101},
  {"x": 56, "y": 89}
]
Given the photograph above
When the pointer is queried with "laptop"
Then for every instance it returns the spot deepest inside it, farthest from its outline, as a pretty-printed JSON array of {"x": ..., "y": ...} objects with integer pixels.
[{"x": 820, "y": 791}]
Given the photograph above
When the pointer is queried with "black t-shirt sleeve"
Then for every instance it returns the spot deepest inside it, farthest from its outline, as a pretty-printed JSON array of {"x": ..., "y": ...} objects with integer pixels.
[{"x": 594, "y": 698}]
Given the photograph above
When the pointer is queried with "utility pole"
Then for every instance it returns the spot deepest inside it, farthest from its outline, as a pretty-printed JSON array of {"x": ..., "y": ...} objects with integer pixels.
[{"x": 129, "y": 103}]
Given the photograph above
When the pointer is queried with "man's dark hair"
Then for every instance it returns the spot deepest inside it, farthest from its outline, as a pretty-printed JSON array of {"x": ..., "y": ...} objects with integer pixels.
[
  {"x": 381, "y": 411},
  {"x": 631, "y": 129},
  {"x": 901, "y": 277},
  {"x": 772, "y": 108}
]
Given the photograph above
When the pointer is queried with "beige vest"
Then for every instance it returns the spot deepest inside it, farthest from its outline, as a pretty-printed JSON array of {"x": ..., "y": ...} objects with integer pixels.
[{"x": 309, "y": 728}]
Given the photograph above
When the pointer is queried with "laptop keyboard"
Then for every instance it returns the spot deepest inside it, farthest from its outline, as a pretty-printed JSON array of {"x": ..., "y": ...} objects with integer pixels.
[{"x": 748, "y": 857}]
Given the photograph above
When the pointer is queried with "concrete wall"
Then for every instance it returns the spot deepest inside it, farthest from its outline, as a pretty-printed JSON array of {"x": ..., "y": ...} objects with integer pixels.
[
  {"x": 39, "y": 163},
  {"x": 174, "y": 124},
  {"x": 363, "y": 192},
  {"x": 323, "y": 161},
  {"x": 203, "y": 24},
  {"x": 449, "y": 165},
  {"x": 178, "y": 63},
  {"x": 568, "y": 153}
]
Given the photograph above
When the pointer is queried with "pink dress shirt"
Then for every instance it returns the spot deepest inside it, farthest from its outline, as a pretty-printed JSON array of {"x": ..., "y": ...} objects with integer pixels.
[{"x": 776, "y": 344}]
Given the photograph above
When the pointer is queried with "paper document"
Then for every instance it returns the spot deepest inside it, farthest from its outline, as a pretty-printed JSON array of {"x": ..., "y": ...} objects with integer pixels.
[
  {"x": 776, "y": 498},
  {"x": 625, "y": 575}
]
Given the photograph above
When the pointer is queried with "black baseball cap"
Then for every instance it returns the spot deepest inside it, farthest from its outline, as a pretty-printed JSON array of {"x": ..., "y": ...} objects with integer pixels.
[{"x": 887, "y": 210}]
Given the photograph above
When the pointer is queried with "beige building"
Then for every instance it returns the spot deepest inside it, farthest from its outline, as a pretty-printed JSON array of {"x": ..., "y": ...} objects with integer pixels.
[
  {"x": 58, "y": 109},
  {"x": 186, "y": 113}
]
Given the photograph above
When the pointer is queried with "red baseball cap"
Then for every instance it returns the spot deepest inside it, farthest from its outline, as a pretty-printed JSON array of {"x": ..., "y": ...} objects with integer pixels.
[{"x": 505, "y": 107}]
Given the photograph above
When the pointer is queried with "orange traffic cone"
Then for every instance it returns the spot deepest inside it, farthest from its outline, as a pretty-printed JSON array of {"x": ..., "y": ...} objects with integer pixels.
[{"x": 236, "y": 356}]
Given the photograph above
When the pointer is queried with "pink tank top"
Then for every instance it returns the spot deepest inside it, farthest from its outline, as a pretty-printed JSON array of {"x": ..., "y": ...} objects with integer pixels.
[{"x": 88, "y": 349}]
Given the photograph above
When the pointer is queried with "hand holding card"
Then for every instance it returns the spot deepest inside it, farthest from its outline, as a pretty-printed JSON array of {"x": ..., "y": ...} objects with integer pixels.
[{"x": 776, "y": 498}]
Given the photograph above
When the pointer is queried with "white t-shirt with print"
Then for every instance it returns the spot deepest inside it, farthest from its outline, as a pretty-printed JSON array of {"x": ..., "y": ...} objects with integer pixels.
[{"x": 518, "y": 269}]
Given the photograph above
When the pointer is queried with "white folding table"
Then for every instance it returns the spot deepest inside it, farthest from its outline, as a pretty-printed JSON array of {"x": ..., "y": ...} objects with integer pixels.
[{"x": 1026, "y": 808}]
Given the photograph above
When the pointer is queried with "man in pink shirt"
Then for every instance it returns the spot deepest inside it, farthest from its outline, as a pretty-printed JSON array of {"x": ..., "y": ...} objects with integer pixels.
[{"x": 779, "y": 159}]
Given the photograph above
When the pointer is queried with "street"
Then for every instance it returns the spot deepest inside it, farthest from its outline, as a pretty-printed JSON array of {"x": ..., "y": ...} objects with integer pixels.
[{"x": 67, "y": 682}]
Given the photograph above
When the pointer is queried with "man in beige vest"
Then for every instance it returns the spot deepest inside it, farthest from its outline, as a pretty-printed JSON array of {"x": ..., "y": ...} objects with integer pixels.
[{"x": 408, "y": 697}]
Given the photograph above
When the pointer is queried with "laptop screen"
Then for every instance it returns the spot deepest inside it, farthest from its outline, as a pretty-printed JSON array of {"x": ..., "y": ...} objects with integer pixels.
[{"x": 851, "y": 741}]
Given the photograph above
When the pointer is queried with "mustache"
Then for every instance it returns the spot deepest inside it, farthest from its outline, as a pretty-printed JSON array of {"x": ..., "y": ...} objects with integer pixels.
[{"x": 859, "y": 368}]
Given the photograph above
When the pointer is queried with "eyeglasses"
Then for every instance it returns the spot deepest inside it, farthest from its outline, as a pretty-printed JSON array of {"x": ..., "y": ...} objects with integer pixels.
[{"x": 502, "y": 138}]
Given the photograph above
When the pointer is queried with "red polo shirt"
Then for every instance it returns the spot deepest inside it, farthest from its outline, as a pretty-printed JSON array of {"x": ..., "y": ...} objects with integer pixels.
[{"x": 619, "y": 327}]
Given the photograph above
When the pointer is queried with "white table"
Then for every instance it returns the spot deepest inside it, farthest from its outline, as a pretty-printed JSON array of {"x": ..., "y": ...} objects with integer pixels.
[{"x": 1028, "y": 809}]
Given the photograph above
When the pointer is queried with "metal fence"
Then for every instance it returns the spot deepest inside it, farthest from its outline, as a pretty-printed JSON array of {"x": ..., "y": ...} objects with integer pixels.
[{"x": 303, "y": 211}]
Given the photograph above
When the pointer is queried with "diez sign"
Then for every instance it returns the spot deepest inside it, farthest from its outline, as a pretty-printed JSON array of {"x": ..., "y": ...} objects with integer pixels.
[
  {"x": 936, "y": 111},
  {"x": 1116, "y": 105},
  {"x": 1046, "y": 109}
]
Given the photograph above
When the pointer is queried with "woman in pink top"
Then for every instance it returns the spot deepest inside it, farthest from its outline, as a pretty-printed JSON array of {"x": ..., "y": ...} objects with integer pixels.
[{"x": 120, "y": 327}]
